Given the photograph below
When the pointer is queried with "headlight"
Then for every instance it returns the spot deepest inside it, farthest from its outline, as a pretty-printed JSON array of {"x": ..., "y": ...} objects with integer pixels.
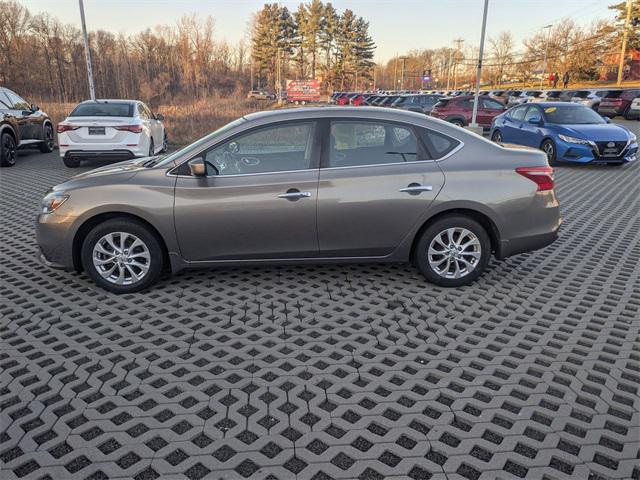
[
  {"x": 632, "y": 137},
  {"x": 52, "y": 201},
  {"x": 579, "y": 141}
]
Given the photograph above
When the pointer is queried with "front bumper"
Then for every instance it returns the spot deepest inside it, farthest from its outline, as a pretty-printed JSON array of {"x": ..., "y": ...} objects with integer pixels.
[
  {"x": 576, "y": 153},
  {"x": 55, "y": 240}
]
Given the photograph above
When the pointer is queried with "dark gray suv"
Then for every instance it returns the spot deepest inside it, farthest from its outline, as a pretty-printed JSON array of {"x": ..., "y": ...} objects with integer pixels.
[{"x": 315, "y": 185}]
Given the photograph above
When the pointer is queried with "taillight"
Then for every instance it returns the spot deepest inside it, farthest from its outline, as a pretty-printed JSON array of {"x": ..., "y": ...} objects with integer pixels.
[
  {"x": 129, "y": 128},
  {"x": 61, "y": 128},
  {"x": 541, "y": 176}
]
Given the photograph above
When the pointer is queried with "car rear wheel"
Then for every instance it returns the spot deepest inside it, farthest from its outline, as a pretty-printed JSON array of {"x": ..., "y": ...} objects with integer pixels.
[
  {"x": 47, "y": 144},
  {"x": 165, "y": 143},
  {"x": 151, "y": 147},
  {"x": 549, "y": 148},
  {"x": 453, "y": 251},
  {"x": 8, "y": 150},
  {"x": 71, "y": 162},
  {"x": 457, "y": 122},
  {"x": 497, "y": 136},
  {"x": 627, "y": 114},
  {"x": 122, "y": 256}
]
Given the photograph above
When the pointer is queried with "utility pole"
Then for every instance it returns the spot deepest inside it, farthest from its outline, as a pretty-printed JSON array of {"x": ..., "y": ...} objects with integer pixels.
[
  {"x": 404, "y": 60},
  {"x": 449, "y": 68},
  {"x": 623, "y": 50},
  {"x": 395, "y": 74},
  {"x": 87, "y": 52},
  {"x": 252, "y": 72},
  {"x": 479, "y": 70},
  {"x": 458, "y": 42},
  {"x": 546, "y": 51}
]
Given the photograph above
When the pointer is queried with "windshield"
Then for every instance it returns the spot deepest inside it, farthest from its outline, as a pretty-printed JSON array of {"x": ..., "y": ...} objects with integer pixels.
[
  {"x": 103, "y": 109},
  {"x": 198, "y": 143},
  {"x": 572, "y": 115}
]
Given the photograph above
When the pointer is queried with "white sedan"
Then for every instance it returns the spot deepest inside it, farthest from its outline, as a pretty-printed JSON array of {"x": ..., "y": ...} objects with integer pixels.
[{"x": 115, "y": 129}]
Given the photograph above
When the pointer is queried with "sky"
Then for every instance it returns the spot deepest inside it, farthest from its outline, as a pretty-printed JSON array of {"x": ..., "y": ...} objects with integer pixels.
[{"x": 396, "y": 26}]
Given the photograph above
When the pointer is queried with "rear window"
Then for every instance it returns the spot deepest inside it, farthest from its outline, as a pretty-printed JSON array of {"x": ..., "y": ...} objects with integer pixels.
[
  {"x": 102, "y": 109},
  {"x": 582, "y": 94},
  {"x": 614, "y": 94},
  {"x": 553, "y": 94}
]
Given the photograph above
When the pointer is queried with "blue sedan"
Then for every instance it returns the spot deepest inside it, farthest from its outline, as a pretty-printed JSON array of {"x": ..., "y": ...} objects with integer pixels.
[{"x": 566, "y": 132}]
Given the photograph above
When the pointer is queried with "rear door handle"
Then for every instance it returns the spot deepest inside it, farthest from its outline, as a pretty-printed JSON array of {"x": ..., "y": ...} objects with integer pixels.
[
  {"x": 416, "y": 189},
  {"x": 294, "y": 195}
]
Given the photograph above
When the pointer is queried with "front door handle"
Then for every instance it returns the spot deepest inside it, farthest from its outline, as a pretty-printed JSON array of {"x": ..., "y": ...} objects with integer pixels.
[
  {"x": 416, "y": 189},
  {"x": 293, "y": 194}
]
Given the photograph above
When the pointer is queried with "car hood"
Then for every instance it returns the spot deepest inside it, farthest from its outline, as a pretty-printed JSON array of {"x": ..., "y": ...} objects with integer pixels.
[
  {"x": 115, "y": 173},
  {"x": 597, "y": 132}
]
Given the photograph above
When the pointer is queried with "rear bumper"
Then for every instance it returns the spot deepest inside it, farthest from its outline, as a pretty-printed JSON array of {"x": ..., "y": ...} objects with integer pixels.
[
  {"x": 105, "y": 154},
  {"x": 515, "y": 246}
]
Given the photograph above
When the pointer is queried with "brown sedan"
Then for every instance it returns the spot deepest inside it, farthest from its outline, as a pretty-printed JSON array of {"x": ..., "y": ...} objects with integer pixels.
[{"x": 301, "y": 186}]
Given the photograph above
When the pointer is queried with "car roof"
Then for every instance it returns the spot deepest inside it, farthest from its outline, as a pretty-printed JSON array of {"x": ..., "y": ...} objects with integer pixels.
[
  {"x": 112, "y": 100},
  {"x": 330, "y": 111}
]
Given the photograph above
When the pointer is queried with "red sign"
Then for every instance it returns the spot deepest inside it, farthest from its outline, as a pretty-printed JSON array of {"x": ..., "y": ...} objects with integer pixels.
[{"x": 303, "y": 90}]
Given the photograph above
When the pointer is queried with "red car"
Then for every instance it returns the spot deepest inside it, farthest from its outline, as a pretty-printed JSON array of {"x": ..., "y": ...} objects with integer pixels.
[
  {"x": 458, "y": 110},
  {"x": 357, "y": 100},
  {"x": 343, "y": 99},
  {"x": 617, "y": 102}
]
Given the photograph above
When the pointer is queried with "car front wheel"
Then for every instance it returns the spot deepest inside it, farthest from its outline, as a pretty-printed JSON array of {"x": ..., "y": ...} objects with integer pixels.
[
  {"x": 453, "y": 251},
  {"x": 549, "y": 148},
  {"x": 497, "y": 136},
  {"x": 122, "y": 256}
]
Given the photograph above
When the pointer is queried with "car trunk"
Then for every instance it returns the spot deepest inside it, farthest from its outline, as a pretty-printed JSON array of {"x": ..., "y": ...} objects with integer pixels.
[{"x": 98, "y": 129}]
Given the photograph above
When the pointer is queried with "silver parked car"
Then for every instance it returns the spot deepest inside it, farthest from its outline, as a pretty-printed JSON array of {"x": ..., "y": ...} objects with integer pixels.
[
  {"x": 314, "y": 185},
  {"x": 590, "y": 97}
]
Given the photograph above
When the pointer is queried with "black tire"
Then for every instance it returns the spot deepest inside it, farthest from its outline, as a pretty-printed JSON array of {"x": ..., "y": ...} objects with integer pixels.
[
  {"x": 549, "y": 148},
  {"x": 8, "y": 150},
  {"x": 71, "y": 162},
  {"x": 457, "y": 122},
  {"x": 151, "y": 147},
  {"x": 434, "y": 230},
  {"x": 626, "y": 114},
  {"x": 496, "y": 136},
  {"x": 47, "y": 145},
  {"x": 117, "y": 225}
]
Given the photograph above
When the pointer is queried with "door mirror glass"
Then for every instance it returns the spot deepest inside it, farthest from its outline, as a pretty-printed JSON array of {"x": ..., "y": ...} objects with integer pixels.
[
  {"x": 535, "y": 120},
  {"x": 606, "y": 119},
  {"x": 197, "y": 167},
  {"x": 159, "y": 117}
]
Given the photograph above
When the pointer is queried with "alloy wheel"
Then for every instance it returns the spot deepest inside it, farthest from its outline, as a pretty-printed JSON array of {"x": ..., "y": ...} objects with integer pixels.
[
  {"x": 10, "y": 149},
  {"x": 548, "y": 149},
  {"x": 454, "y": 253},
  {"x": 121, "y": 258},
  {"x": 497, "y": 137}
]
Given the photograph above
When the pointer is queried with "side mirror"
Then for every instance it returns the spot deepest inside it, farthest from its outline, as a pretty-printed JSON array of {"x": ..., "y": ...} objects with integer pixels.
[
  {"x": 197, "y": 167},
  {"x": 535, "y": 121},
  {"x": 34, "y": 107},
  {"x": 606, "y": 119},
  {"x": 159, "y": 116}
]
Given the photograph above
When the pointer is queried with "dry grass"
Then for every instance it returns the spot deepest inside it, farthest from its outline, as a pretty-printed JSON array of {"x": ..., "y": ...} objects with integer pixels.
[{"x": 185, "y": 122}]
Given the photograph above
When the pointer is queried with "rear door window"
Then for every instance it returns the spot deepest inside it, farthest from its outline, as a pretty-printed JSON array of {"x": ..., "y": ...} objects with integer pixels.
[
  {"x": 359, "y": 143},
  {"x": 492, "y": 104}
]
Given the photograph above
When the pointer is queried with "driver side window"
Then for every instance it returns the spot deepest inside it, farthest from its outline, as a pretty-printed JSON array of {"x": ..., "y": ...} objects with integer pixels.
[{"x": 278, "y": 148}]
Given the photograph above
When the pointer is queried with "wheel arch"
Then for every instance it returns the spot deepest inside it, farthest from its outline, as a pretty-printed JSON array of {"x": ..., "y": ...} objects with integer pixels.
[
  {"x": 7, "y": 128},
  {"x": 90, "y": 223},
  {"x": 482, "y": 218},
  {"x": 451, "y": 118}
]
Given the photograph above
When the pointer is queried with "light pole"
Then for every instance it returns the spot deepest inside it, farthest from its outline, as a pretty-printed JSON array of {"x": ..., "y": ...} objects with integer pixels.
[
  {"x": 546, "y": 51},
  {"x": 625, "y": 35},
  {"x": 87, "y": 52},
  {"x": 474, "y": 115},
  {"x": 404, "y": 60}
]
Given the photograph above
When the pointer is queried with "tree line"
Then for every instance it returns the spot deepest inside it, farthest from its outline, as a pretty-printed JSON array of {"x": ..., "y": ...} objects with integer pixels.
[{"x": 315, "y": 41}]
